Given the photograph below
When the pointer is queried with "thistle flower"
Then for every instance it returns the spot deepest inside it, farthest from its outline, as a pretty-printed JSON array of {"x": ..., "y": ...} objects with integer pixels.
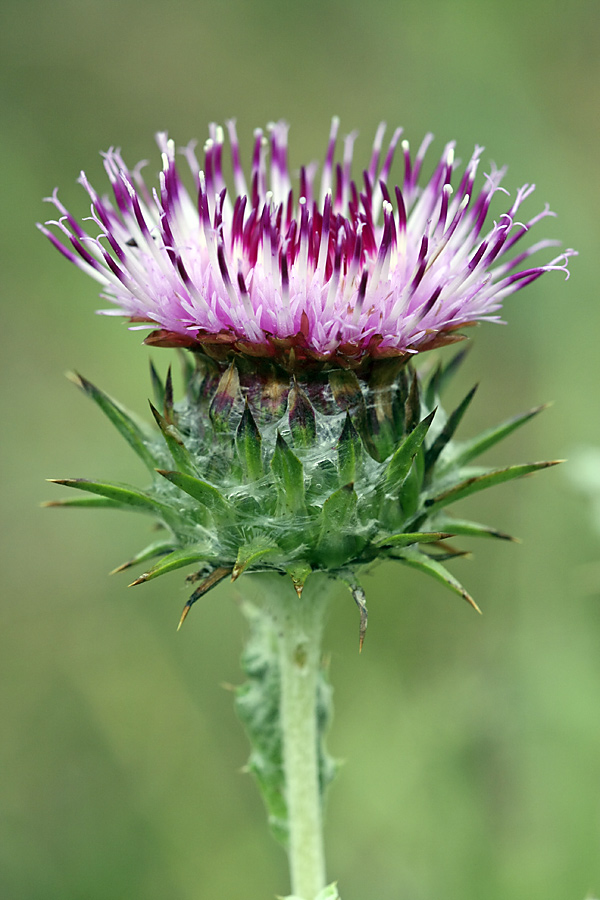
[
  {"x": 306, "y": 442},
  {"x": 343, "y": 275}
]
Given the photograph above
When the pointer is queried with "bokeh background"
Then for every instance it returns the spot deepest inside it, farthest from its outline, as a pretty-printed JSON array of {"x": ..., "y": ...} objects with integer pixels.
[{"x": 471, "y": 744}]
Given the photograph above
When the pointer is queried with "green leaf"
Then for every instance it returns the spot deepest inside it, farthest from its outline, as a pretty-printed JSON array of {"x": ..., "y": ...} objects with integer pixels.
[
  {"x": 416, "y": 537},
  {"x": 174, "y": 442},
  {"x": 471, "y": 529},
  {"x": 84, "y": 502},
  {"x": 299, "y": 572},
  {"x": 203, "y": 492},
  {"x": 399, "y": 465},
  {"x": 158, "y": 548},
  {"x": 348, "y": 395},
  {"x": 301, "y": 417},
  {"x": 412, "y": 406},
  {"x": 158, "y": 387},
  {"x": 123, "y": 421},
  {"x": 250, "y": 553},
  {"x": 289, "y": 472},
  {"x": 427, "y": 565},
  {"x": 386, "y": 399},
  {"x": 267, "y": 394},
  {"x": 349, "y": 453},
  {"x": 481, "y": 482},
  {"x": 468, "y": 450},
  {"x": 338, "y": 541},
  {"x": 388, "y": 389},
  {"x": 188, "y": 367},
  {"x": 401, "y": 482},
  {"x": 410, "y": 493},
  {"x": 122, "y": 495},
  {"x": 168, "y": 408},
  {"x": 226, "y": 396},
  {"x": 248, "y": 442},
  {"x": 447, "y": 432},
  {"x": 339, "y": 509},
  {"x": 442, "y": 375},
  {"x": 176, "y": 560},
  {"x": 257, "y": 704},
  {"x": 323, "y": 481}
]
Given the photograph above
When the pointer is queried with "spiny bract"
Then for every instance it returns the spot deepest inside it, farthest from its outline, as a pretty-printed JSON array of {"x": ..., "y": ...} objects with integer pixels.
[{"x": 257, "y": 470}]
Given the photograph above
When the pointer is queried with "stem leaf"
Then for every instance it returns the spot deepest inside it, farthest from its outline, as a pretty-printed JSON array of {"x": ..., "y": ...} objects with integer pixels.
[
  {"x": 176, "y": 560},
  {"x": 85, "y": 502},
  {"x": 482, "y": 481},
  {"x": 466, "y": 451},
  {"x": 174, "y": 442},
  {"x": 158, "y": 548},
  {"x": 338, "y": 541},
  {"x": 415, "y": 537},
  {"x": 349, "y": 453},
  {"x": 122, "y": 495},
  {"x": 427, "y": 565},
  {"x": 301, "y": 416},
  {"x": 201, "y": 491},
  {"x": 248, "y": 442},
  {"x": 399, "y": 465},
  {"x": 226, "y": 396},
  {"x": 250, "y": 553},
  {"x": 289, "y": 472},
  {"x": 447, "y": 432},
  {"x": 123, "y": 421},
  {"x": 471, "y": 529}
]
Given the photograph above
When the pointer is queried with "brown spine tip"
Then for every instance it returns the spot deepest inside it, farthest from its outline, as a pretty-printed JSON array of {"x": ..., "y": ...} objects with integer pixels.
[
  {"x": 209, "y": 582},
  {"x": 186, "y": 610},
  {"x": 139, "y": 580},
  {"x": 361, "y": 639},
  {"x": 471, "y": 602},
  {"x": 76, "y": 379}
]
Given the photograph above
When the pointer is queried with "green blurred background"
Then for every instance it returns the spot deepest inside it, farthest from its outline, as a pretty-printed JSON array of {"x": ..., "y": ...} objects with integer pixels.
[{"x": 471, "y": 744}]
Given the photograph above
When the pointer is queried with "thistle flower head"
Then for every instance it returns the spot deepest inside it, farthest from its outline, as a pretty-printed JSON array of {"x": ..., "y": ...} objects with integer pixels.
[
  {"x": 340, "y": 274},
  {"x": 280, "y": 458}
]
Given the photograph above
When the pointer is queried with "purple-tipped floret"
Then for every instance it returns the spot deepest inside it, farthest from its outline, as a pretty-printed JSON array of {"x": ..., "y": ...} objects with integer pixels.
[{"x": 338, "y": 275}]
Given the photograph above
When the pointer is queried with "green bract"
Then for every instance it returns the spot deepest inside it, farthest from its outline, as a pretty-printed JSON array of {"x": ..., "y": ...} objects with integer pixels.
[{"x": 257, "y": 470}]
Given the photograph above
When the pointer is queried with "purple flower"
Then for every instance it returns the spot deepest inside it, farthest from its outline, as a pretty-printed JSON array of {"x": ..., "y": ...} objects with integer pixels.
[{"x": 340, "y": 275}]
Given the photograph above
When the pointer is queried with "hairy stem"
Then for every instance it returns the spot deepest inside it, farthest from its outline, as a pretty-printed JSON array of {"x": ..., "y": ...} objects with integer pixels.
[
  {"x": 300, "y": 658},
  {"x": 298, "y": 625}
]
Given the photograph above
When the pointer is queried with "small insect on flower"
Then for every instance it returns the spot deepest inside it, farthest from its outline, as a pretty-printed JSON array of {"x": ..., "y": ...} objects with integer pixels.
[{"x": 340, "y": 273}]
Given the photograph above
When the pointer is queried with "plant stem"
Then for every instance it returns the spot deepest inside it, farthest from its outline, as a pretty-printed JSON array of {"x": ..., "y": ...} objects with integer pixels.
[
  {"x": 300, "y": 659},
  {"x": 298, "y": 628}
]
